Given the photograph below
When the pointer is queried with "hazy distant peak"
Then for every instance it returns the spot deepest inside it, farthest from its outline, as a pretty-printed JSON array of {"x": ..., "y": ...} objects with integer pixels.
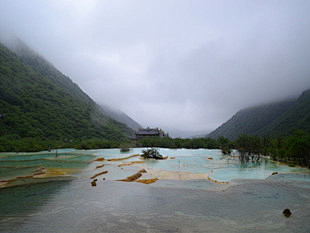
[
  {"x": 120, "y": 116},
  {"x": 280, "y": 118}
]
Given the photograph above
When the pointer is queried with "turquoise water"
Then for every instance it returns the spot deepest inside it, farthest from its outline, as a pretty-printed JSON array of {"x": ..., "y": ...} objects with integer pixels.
[
  {"x": 81, "y": 164},
  {"x": 63, "y": 200}
]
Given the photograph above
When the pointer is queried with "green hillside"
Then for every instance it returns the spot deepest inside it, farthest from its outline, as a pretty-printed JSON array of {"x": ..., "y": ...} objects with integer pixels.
[
  {"x": 280, "y": 118},
  {"x": 42, "y": 66},
  {"x": 252, "y": 121},
  {"x": 297, "y": 117},
  {"x": 39, "y": 102},
  {"x": 46, "y": 69},
  {"x": 121, "y": 117}
]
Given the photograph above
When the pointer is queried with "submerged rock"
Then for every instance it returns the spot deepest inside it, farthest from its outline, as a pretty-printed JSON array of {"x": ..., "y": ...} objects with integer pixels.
[
  {"x": 93, "y": 183},
  {"x": 274, "y": 173},
  {"x": 287, "y": 213}
]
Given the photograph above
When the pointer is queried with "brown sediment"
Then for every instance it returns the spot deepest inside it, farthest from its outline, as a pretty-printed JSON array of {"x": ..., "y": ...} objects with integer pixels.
[
  {"x": 100, "y": 166},
  {"x": 166, "y": 157},
  {"x": 119, "y": 159},
  {"x": 38, "y": 169},
  {"x": 210, "y": 158},
  {"x": 172, "y": 157},
  {"x": 131, "y": 163},
  {"x": 41, "y": 172},
  {"x": 98, "y": 174},
  {"x": 134, "y": 176},
  {"x": 100, "y": 159},
  {"x": 3, "y": 183},
  {"x": 147, "y": 181},
  {"x": 215, "y": 181},
  {"x": 51, "y": 172}
]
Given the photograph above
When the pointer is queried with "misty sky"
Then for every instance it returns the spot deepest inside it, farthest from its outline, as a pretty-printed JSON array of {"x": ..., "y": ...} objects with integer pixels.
[{"x": 186, "y": 65}]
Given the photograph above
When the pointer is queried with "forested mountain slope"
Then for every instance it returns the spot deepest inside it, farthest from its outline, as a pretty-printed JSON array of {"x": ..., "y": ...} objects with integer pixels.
[
  {"x": 297, "y": 117},
  {"x": 278, "y": 119},
  {"x": 121, "y": 117},
  {"x": 38, "y": 101},
  {"x": 46, "y": 69},
  {"x": 252, "y": 121}
]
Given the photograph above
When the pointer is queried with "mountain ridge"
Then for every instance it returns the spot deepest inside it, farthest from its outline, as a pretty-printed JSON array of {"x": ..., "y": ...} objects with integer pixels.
[
  {"x": 121, "y": 117},
  {"x": 275, "y": 119},
  {"x": 44, "y": 67},
  {"x": 37, "y": 100}
]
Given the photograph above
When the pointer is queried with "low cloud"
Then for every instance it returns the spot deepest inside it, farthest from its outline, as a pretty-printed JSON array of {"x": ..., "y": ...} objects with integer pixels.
[{"x": 179, "y": 65}]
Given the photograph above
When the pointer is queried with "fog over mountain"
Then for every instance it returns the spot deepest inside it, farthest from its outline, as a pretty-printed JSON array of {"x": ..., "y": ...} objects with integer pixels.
[{"x": 179, "y": 65}]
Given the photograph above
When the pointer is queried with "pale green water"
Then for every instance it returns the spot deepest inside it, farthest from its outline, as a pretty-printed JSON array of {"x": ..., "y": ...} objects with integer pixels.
[
  {"x": 224, "y": 168},
  {"x": 68, "y": 203}
]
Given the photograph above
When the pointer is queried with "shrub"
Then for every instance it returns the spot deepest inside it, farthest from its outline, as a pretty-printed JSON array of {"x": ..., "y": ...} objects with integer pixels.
[{"x": 151, "y": 154}]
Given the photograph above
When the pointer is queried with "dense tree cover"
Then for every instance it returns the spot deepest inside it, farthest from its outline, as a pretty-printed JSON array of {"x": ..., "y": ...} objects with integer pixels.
[
  {"x": 43, "y": 67},
  {"x": 269, "y": 120},
  {"x": 294, "y": 148},
  {"x": 297, "y": 117},
  {"x": 34, "y": 108},
  {"x": 164, "y": 142},
  {"x": 251, "y": 120},
  {"x": 167, "y": 142},
  {"x": 121, "y": 117}
]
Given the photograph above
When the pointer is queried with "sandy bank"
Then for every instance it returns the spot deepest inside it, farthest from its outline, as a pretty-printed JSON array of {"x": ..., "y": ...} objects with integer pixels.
[{"x": 119, "y": 159}]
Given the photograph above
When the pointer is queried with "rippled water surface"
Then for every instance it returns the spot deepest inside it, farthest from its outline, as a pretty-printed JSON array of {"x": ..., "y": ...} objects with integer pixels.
[{"x": 196, "y": 191}]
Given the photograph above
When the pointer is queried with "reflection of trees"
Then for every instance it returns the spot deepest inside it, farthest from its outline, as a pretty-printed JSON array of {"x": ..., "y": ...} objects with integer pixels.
[
  {"x": 249, "y": 149},
  {"x": 249, "y": 161},
  {"x": 25, "y": 199}
]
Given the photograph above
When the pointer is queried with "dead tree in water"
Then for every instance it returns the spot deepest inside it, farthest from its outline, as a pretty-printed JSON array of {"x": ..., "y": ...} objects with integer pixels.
[{"x": 249, "y": 148}]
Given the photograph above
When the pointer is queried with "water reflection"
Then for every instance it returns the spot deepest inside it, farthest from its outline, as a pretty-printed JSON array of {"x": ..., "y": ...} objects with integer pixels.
[
  {"x": 186, "y": 164},
  {"x": 182, "y": 200},
  {"x": 123, "y": 207},
  {"x": 21, "y": 168},
  {"x": 24, "y": 199},
  {"x": 247, "y": 163}
]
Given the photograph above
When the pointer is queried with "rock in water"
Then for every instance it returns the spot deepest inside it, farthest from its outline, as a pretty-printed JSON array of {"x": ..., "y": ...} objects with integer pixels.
[
  {"x": 93, "y": 183},
  {"x": 287, "y": 213}
]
